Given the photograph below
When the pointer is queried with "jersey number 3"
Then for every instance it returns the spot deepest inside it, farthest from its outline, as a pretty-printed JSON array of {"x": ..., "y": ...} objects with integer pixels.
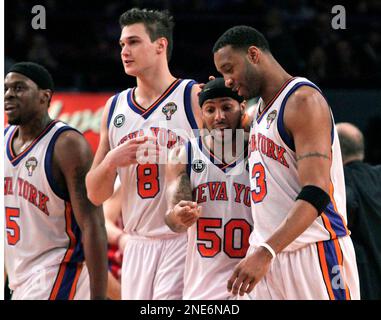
[
  {"x": 259, "y": 175},
  {"x": 148, "y": 180}
]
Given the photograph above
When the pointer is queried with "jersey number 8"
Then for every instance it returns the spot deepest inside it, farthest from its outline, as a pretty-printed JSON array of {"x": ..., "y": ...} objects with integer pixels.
[{"x": 148, "y": 180}]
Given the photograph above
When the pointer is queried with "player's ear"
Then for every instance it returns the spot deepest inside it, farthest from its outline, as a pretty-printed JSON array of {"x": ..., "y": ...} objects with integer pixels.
[
  {"x": 162, "y": 44},
  {"x": 253, "y": 54},
  {"x": 242, "y": 106},
  {"x": 45, "y": 95}
]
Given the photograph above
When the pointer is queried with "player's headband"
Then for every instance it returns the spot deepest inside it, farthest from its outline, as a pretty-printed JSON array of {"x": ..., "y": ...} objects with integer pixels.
[
  {"x": 35, "y": 72},
  {"x": 216, "y": 89}
]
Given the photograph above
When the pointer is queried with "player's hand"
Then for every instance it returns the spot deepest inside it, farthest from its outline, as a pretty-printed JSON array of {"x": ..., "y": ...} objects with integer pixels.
[
  {"x": 249, "y": 272},
  {"x": 202, "y": 85},
  {"x": 139, "y": 150},
  {"x": 186, "y": 213}
]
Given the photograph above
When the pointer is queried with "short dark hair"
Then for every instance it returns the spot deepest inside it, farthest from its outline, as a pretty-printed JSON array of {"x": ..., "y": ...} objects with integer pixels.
[
  {"x": 242, "y": 37},
  {"x": 351, "y": 146},
  {"x": 157, "y": 23}
]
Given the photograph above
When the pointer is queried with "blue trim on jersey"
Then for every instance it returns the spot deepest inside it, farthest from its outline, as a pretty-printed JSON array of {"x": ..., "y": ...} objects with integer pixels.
[
  {"x": 335, "y": 220},
  {"x": 8, "y": 145},
  {"x": 15, "y": 160},
  {"x": 63, "y": 194},
  {"x": 6, "y": 130},
  {"x": 189, "y": 150},
  {"x": 112, "y": 108},
  {"x": 78, "y": 254},
  {"x": 334, "y": 270},
  {"x": 145, "y": 113},
  {"x": 216, "y": 161},
  {"x": 131, "y": 104},
  {"x": 67, "y": 281},
  {"x": 280, "y": 123},
  {"x": 188, "y": 104}
]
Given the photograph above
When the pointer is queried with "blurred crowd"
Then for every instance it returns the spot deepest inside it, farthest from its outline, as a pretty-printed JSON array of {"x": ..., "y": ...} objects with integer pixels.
[{"x": 80, "y": 43}]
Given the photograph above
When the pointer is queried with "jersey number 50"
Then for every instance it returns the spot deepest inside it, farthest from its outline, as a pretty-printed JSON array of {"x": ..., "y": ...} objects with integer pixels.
[{"x": 229, "y": 238}]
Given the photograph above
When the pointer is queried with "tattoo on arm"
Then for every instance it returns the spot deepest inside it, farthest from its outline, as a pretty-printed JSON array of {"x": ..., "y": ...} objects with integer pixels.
[
  {"x": 312, "y": 155},
  {"x": 183, "y": 189}
]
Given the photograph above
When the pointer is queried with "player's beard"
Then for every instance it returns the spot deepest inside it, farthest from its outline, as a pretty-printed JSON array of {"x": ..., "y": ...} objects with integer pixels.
[{"x": 252, "y": 82}]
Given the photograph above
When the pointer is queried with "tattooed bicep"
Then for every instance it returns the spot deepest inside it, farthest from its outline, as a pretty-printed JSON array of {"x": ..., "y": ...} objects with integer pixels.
[
  {"x": 183, "y": 190},
  {"x": 312, "y": 155}
]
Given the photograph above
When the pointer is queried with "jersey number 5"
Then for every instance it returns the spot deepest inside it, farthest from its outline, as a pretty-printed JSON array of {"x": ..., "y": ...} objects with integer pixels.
[
  {"x": 13, "y": 229},
  {"x": 259, "y": 175},
  {"x": 148, "y": 180}
]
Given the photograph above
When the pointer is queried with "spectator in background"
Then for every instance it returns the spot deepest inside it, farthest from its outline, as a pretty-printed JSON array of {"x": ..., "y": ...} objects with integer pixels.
[{"x": 363, "y": 185}]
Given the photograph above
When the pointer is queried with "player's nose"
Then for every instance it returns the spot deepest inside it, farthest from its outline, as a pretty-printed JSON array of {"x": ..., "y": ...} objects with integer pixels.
[{"x": 229, "y": 83}]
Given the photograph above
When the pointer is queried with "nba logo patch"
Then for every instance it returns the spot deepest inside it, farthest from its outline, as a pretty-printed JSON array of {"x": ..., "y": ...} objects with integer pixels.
[
  {"x": 270, "y": 118},
  {"x": 198, "y": 166},
  {"x": 119, "y": 120},
  {"x": 169, "y": 109},
  {"x": 31, "y": 165}
]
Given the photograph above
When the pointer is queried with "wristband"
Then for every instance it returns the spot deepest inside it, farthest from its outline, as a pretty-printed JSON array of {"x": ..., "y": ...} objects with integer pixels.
[{"x": 267, "y": 246}]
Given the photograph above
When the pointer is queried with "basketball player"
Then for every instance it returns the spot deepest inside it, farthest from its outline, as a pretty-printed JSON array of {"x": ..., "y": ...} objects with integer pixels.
[
  {"x": 300, "y": 247},
  {"x": 47, "y": 213},
  {"x": 159, "y": 110},
  {"x": 216, "y": 174}
]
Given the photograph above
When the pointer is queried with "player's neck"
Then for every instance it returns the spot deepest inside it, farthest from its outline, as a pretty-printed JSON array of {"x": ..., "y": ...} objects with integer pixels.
[
  {"x": 225, "y": 150},
  {"x": 33, "y": 129},
  {"x": 273, "y": 81},
  {"x": 152, "y": 84}
]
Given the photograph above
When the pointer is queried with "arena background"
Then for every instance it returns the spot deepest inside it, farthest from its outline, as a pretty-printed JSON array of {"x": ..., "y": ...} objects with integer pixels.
[{"x": 80, "y": 47}]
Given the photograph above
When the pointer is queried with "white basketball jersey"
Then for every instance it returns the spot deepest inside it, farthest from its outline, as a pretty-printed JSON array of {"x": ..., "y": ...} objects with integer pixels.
[
  {"x": 220, "y": 238},
  {"x": 274, "y": 178},
  {"x": 170, "y": 119},
  {"x": 41, "y": 230}
]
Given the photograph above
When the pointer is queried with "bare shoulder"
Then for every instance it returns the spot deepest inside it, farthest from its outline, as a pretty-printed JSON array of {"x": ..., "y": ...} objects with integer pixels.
[
  {"x": 306, "y": 99},
  {"x": 71, "y": 146},
  {"x": 195, "y": 104}
]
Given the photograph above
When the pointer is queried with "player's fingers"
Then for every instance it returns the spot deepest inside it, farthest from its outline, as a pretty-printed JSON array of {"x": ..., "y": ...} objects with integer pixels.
[
  {"x": 211, "y": 78},
  {"x": 232, "y": 279},
  {"x": 143, "y": 139},
  {"x": 184, "y": 203},
  {"x": 251, "y": 286},
  {"x": 244, "y": 286},
  {"x": 238, "y": 282}
]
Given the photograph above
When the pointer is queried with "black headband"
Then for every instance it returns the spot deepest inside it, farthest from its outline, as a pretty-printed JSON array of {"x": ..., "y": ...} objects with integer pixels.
[
  {"x": 216, "y": 89},
  {"x": 35, "y": 72}
]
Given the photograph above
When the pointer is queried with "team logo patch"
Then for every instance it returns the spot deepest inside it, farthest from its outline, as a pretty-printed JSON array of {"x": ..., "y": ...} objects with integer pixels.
[
  {"x": 119, "y": 120},
  {"x": 169, "y": 109},
  {"x": 31, "y": 165},
  {"x": 198, "y": 166},
  {"x": 270, "y": 118}
]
